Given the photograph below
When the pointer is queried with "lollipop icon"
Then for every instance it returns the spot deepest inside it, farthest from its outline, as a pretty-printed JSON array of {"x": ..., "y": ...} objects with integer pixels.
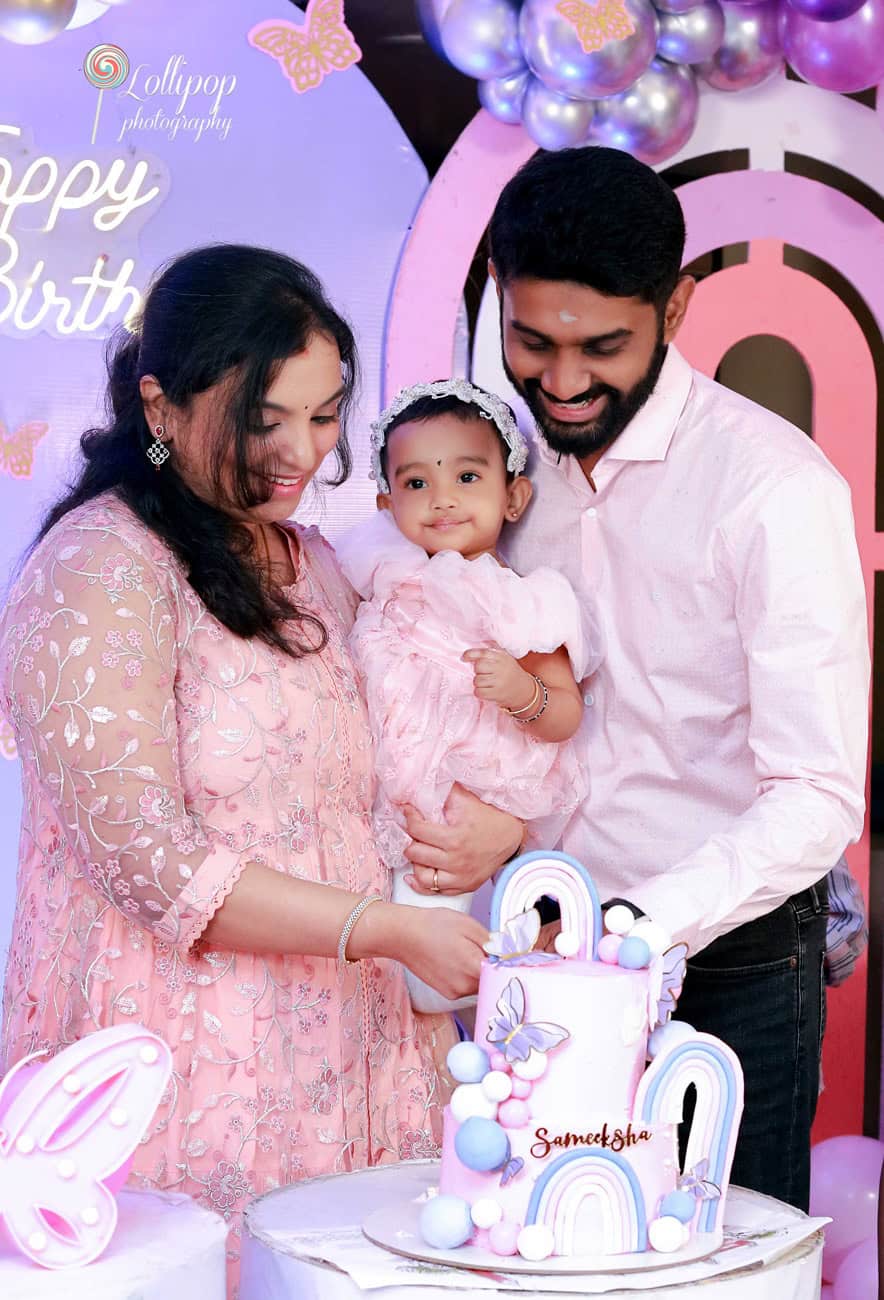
[{"x": 105, "y": 67}]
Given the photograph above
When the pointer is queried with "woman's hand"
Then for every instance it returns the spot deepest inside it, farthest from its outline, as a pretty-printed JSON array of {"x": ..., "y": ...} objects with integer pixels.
[
  {"x": 442, "y": 947},
  {"x": 472, "y": 843}
]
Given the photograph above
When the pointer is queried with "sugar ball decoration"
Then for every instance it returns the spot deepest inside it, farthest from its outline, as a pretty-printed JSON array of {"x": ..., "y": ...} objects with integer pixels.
[
  {"x": 468, "y": 1062},
  {"x": 678, "y": 1205},
  {"x": 668, "y": 1036},
  {"x": 533, "y": 1068},
  {"x": 514, "y": 1113},
  {"x": 619, "y": 919},
  {"x": 496, "y": 1085},
  {"x": 653, "y": 934},
  {"x": 486, "y": 1212},
  {"x": 567, "y": 943},
  {"x": 608, "y": 949},
  {"x": 471, "y": 1099},
  {"x": 536, "y": 1242},
  {"x": 634, "y": 954},
  {"x": 445, "y": 1222},
  {"x": 667, "y": 1234},
  {"x": 482, "y": 1145},
  {"x": 503, "y": 1238},
  {"x": 522, "y": 1088},
  {"x": 499, "y": 1061}
]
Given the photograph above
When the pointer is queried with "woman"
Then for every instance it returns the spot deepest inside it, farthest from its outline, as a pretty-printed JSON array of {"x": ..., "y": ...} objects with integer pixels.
[{"x": 197, "y": 850}]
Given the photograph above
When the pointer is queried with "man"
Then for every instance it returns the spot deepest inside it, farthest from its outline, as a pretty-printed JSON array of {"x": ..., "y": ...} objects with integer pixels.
[{"x": 726, "y": 729}]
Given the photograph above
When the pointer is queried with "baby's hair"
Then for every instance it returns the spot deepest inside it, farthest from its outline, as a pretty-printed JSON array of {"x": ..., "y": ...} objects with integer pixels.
[{"x": 427, "y": 408}]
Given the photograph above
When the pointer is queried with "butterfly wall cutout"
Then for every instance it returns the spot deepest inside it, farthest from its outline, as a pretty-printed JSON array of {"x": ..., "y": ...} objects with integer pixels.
[
  {"x": 17, "y": 449},
  {"x": 68, "y": 1129},
  {"x": 596, "y": 24},
  {"x": 323, "y": 43},
  {"x": 8, "y": 747},
  {"x": 509, "y": 1032}
]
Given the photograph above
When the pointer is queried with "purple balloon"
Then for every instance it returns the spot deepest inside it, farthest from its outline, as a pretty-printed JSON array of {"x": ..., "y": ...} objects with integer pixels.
[
  {"x": 844, "y": 1173},
  {"x": 825, "y": 11},
  {"x": 845, "y": 56},
  {"x": 858, "y": 1275}
]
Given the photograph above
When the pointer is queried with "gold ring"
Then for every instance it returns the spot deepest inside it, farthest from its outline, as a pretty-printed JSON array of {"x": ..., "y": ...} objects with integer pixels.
[{"x": 434, "y": 888}]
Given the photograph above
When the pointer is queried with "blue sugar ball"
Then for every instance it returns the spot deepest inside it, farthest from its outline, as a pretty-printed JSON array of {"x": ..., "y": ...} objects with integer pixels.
[
  {"x": 482, "y": 1144},
  {"x": 633, "y": 954},
  {"x": 679, "y": 1205},
  {"x": 445, "y": 1222},
  {"x": 669, "y": 1035},
  {"x": 468, "y": 1062}
]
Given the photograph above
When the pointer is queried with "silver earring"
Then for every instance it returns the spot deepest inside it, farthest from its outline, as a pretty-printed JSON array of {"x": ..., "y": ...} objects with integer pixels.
[{"x": 158, "y": 452}]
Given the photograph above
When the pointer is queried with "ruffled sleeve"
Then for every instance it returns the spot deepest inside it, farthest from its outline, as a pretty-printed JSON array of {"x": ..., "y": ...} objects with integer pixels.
[
  {"x": 539, "y": 612},
  {"x": 376, "y": 557},
  {"x": 91, "y": 636}
]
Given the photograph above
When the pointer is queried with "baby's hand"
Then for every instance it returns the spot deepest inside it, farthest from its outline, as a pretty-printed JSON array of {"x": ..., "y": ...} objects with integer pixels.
[{"x": 499, "y": 678}]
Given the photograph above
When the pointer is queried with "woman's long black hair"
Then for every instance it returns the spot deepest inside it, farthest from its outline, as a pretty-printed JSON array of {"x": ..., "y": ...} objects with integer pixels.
[{"x": 227, "y": 310}]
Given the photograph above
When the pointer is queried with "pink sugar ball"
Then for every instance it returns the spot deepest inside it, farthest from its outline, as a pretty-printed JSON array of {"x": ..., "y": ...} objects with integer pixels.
[
  {"x": 513, "y": 1114},
  {"x": 503, "y": 1238},
  {"x": 499, "y": 1061},
  {"x": 609, "y": 948},
  {"x": 521, "y": 1088}
]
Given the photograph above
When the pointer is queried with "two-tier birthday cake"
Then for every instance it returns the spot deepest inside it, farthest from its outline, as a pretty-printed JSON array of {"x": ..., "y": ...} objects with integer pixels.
[{"x": 561, "y": 1139}]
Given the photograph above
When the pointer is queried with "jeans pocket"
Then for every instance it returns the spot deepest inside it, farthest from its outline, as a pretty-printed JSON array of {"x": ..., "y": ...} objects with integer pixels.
[{"x": 757, "y": 969}]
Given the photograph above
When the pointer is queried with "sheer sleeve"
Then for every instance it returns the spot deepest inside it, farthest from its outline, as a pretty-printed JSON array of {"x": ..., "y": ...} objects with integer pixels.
[{"x": 91, "y": 632}]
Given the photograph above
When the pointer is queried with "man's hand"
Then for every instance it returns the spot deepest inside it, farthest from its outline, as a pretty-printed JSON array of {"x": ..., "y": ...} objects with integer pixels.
[
  {"x": 498, "y": 677},
  {"x": 472, "y": 843}
]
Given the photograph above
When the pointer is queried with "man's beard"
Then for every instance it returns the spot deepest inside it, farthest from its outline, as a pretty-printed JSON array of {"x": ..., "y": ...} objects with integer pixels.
[{"x": 582, "y": 440}]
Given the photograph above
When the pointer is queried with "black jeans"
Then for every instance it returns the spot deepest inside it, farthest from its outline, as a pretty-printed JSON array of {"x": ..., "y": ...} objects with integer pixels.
[{"x": 761, "y": 989}]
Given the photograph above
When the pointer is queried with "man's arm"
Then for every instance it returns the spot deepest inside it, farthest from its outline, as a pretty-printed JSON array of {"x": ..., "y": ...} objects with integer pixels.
[{"x": 801, "y": 613}]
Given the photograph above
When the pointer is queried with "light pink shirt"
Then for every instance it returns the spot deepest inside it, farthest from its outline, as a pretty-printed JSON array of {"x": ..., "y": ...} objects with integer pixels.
[{"x": 727, "y": 726}]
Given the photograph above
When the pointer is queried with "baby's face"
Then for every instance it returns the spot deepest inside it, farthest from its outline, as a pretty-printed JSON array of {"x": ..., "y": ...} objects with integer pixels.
[{"x": 448, "y": 488}]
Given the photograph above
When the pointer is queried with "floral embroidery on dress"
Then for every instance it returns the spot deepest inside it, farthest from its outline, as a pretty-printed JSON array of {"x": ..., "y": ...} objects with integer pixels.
[{"x": 160, "y": 754}]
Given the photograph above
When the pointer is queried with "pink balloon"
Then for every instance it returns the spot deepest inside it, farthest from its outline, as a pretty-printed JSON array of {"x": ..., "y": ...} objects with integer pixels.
[
  {"x": 858, "y": 1275},
  {"x": 844, "y": 1174},
  {"x": 845, "y": 56},
  {"x": 828, "y": 1292}
]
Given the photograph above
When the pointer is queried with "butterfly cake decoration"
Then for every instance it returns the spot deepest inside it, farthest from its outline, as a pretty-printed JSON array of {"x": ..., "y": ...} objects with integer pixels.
[{"x": 513, "y": 1035}]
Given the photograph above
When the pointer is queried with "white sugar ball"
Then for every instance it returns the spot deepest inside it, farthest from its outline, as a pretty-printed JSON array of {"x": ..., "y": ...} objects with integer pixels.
[
  {"x": 619, "y": 919},
  {"x": 665, "y": 1037},
  {"x": 666, "y": 1234},
  {"x": 567, "y": 943},
  {"x": 497, "y": 1085},
  {"x": 533, "y": 1068},
  {"x": 469, "y": 1100},
  {"x": 653, "y": 934},
  {"x": 536, "y": 1242},
  {"x": 485, "y": 1212}
]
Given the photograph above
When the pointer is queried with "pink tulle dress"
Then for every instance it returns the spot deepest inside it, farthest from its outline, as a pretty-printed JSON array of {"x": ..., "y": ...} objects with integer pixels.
[
  {"x": 419, "y": 614},
  {"x": 161, "y": 754}
]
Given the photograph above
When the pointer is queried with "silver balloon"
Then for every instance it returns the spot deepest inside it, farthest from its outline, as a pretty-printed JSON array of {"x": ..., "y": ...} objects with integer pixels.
[
  {"x": 654, "y": 118},
  {"x": 503, "y": 96},
  {"x": 750, "y": 51},
  {"x": 553, "y": 121},
  {"x": 32, "y": 22},
  {"x": 555, "y": 54},
  {"x": 693, "y": 36},
  {"x": 86, "y": 12},
  {"x": 481, "y": 37},
  {"x": 674, "y": 6}
]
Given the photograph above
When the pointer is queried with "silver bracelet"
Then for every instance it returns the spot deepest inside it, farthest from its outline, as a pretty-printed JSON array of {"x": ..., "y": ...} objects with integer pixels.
[
  {"x": 349, "y": 924},
  {"x": 542, "y": 686}
]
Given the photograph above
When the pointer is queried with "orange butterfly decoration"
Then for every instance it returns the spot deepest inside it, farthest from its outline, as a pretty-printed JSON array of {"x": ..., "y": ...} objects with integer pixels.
[
  {"x": 599, "y": 23},
  {"x": 17, "y": 449},
  {"x": 322, "y": 44}
]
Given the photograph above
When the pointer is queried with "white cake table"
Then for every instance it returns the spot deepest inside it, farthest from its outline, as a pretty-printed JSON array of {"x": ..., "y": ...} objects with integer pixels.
[
  {"x": 298, "y": 1242},
  {"x": 166, "y": 1247}
]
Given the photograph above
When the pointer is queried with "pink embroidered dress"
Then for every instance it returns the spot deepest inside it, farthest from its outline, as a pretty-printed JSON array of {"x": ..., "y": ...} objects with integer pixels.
[{"x": 160, "y": 754}]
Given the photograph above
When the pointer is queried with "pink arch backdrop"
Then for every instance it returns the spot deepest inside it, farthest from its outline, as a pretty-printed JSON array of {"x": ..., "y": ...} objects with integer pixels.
[{"x": 768, "y": 208}]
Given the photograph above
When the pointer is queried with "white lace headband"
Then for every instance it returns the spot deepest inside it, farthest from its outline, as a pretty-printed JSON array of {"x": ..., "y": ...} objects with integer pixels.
[{"x": 490, "y": 407}]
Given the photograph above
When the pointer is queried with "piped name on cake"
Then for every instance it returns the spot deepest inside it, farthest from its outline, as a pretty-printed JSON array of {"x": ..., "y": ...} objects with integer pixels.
[{"x": 618, "y": 1139}]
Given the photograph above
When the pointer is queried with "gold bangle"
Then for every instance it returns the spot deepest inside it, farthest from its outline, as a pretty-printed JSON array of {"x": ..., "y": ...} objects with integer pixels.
[
  {"x": 514, "y": 713},
  {"x": 350, "y": 923},
  {"x": 541, "y": 686}
]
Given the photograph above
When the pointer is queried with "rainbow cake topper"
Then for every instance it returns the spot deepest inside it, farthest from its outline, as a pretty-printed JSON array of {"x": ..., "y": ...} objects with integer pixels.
[
  {"x": 545, "y": 873},
  {"x": 602, "y": 1175},
  {"x": 68, "y": 1129}
]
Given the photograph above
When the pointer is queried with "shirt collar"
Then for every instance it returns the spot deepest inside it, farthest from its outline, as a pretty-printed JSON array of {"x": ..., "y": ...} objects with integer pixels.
[{"x": 649, "y": 433}]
